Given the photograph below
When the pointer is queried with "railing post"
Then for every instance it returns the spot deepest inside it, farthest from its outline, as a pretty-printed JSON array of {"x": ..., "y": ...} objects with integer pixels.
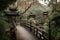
[{"x": 36, "y": 32}]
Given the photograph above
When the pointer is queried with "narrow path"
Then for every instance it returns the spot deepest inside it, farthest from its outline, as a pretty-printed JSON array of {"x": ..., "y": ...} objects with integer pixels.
[{"x": 23, "y": 34}]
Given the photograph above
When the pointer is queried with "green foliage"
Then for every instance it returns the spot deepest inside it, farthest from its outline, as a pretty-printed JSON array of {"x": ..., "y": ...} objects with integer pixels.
[
  {"x": 53, "y": 15},
  {"x": 4, "y": 26},
  {"x": 55, "y": 31}
]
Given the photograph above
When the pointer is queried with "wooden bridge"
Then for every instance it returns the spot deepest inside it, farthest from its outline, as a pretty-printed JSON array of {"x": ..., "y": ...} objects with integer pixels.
[
  {"x": 26, "y": 31},
  {"x": 36, "y": 31}
]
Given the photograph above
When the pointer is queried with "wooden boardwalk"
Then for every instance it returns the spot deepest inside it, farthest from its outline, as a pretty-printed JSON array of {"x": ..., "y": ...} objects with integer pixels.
[{"x": 24, "y": 34}]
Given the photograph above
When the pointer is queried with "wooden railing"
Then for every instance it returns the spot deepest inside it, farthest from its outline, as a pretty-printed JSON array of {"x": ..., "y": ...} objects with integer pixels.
[{"x": 38, "y": 32}]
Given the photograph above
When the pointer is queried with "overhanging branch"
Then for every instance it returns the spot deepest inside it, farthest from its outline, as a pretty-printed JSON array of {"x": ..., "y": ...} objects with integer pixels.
[{"x": 28, "y": 8}]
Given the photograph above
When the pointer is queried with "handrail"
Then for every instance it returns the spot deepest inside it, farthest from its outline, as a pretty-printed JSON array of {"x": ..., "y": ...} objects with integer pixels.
[{"x": 37, "y": 31}]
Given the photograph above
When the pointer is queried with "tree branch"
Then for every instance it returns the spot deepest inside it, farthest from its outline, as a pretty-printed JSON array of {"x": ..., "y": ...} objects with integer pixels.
[{"x": 28, "y": 8}]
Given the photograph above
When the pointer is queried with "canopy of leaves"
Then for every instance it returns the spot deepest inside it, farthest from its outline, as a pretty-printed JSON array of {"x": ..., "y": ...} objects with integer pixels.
[{"x": 5, "y": 3}]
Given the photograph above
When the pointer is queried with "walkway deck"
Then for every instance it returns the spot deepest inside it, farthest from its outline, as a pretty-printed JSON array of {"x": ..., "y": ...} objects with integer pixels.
[{"x": 24, "y": 34}]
